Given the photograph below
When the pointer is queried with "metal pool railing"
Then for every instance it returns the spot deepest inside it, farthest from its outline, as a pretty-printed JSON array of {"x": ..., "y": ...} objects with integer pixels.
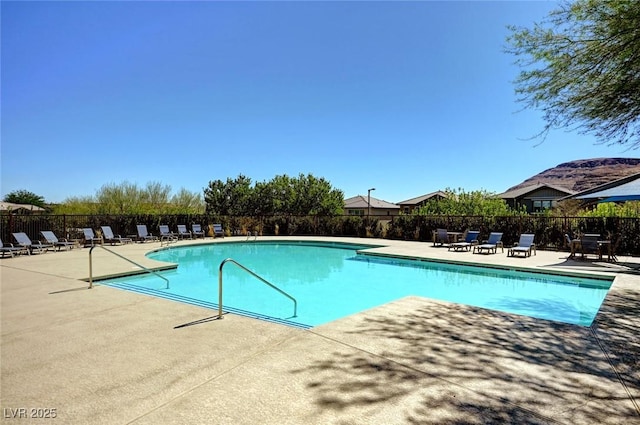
[
  {"x": 124, "y": 258},
  {"x": 230, "y": 260}
]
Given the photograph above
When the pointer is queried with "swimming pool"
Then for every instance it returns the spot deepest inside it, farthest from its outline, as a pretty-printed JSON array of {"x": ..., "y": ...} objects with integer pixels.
[{"x": 333, "y": 280}]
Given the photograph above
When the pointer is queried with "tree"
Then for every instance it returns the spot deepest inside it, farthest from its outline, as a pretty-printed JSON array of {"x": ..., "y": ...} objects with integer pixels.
[
  {"x": 305, "y": 195},
  {"x": 129, "y": 198},
  {"x": 581, "y": 68},
  {"x": 187, "y": 202},
  {"x": 479, "y": 203},
  {"x": 313, "y": 196},
  {"x": 24, "y": 197}
]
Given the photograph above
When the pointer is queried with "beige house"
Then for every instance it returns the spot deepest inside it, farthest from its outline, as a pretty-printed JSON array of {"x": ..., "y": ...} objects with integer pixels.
[
  {"x": 408, "y": 206},
  {"x": 359, "y": 205}
]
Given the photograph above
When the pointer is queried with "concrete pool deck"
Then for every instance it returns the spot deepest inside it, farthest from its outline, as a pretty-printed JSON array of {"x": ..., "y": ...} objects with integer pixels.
[{"x": 107, "y": 356}]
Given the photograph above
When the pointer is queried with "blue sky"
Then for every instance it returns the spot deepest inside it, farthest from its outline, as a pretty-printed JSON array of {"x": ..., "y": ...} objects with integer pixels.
[{"x": 406, "y": 97}]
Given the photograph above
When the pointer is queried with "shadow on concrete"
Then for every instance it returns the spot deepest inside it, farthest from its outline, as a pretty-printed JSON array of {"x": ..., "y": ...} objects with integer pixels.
[
  {"x": 63, "y": 291},
  {"x": 199, "y": 321},
  {"x": 616, "y": 328},
  {"x": 619, "y": 267},
  {"x": 452, "y": 364}
]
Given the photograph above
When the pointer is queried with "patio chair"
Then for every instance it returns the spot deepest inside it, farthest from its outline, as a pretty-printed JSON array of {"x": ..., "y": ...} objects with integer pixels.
[
  {"x": 166, "y": 234},
  {"x": 440, "y": 237},
  {"x": 183, "y": 232},
  {"x": 24, "y": 241},
  {"x": 143, "y": 233},
  {"x": 218, "y": 230},
  {"x": 196, "y": 231},
  {"x": 109, "y": 237},
  {"x": 524, "y": 246},
  {"x": 90, "y": 238},
  {"x": 490, "y": 246},
  {"x": 470, "y": 240},
  {"x": 11, "y": 249},
  {"x": 589, "y": 245},
  {"x": 52, "y": 239}
]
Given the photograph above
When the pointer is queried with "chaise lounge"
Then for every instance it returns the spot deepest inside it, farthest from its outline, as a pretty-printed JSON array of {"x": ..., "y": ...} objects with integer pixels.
[
  {"x": 524, "y": 246},
  {"x": 109, "y": 237},
  {"x": 90, "y": 238},
  {"x": 470, "y": 240},
  {"x": 52, "y": 239},
  {"x": 143, "y": 233},
  {"x": 167, "y": 235},
  {"x": 196, "y": 230},
  {"x": 24, "y": 241},
  {"x": 218, "y": 230},
  {"x": 183, "y": 232},
  {"x": 490, "y": 246},
  {"x": 12, "y": 250}
]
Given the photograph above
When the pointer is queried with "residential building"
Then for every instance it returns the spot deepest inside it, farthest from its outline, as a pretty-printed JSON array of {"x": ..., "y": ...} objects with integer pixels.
[
  {"x": 536, "y": 198},
  {"x": 408, "y": 206},
  {"x": 359, "y": 205},
  {"x": 621, "y": 190}
]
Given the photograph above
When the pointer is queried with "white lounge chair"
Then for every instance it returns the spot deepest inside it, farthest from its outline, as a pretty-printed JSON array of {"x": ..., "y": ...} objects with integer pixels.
[
  {"x": 12, "y": 250},
  {"x": 24, "y": 241},
  {"x": 109, "y": 237},
  {"x": 90, "y": 238},
  {"x": 183, "y": 232},
  {"x": 143, "y": 233},
  {"x": 218, "y": 230},
  {"x": 196, "y": 230},
  {"x": 52, "y": 239}
]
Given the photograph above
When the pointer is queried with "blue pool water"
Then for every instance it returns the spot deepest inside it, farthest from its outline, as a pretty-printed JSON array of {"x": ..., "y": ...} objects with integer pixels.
[{"x": 330, "y": 281}]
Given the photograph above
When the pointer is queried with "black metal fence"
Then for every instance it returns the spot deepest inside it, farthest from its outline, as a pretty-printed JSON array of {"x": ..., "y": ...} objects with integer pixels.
[{"x": 549, "y": 231}]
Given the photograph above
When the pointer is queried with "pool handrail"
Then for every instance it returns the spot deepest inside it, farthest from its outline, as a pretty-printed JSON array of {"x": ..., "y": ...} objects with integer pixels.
[
  {"x": 231, "y": 260},
  {"x": 124, "y": 258}
]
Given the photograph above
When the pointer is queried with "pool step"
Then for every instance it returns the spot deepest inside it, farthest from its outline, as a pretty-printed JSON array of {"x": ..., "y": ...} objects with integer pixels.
[{"x": 205, "y": 304}]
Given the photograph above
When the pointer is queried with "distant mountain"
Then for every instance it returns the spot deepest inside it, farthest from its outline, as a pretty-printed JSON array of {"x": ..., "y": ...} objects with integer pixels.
[{"x": 585, "y": 173}]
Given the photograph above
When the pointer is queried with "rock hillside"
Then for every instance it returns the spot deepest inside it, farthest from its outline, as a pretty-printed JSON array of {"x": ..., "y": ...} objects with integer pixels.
[{"x": 585, "y": 173}]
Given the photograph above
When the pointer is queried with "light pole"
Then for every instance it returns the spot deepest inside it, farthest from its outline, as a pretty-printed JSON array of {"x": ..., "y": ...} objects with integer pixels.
[{"x": 369, "y": 201}]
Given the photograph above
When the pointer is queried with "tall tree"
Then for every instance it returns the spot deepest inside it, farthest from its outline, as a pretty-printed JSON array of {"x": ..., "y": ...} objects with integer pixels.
[
  {"x": 459, "y": 202},
  {"x": 187, "y": 202},
  {"x": 305, "y": 195},
  {"x": 24, "y": 197},
  {"x": 232, "y": 197},
  {"x": 581, "y": 68}
]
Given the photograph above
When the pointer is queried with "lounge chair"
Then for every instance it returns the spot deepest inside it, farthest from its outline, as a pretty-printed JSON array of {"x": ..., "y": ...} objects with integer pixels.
[
  {"x": 440, "y": 237},
  {"x": 143, "y": 233},
  {"x": 109, "y": 237},
  {"x": 196, "y": 230},
  {"x": 52, "y": 239},
  {"x": 11, "y": 249},
  {"x": 24, "y": 241},
  {"x": 490, "y": 246},
  {"x": 183, "y": 232},
  {"x": 218, "y": 230},
  {"x": 470, "y": 240},
  {"x": 90, "y": 238},
  {"x": 166, "y": 234},
  {"x": 524, "y": 246}
]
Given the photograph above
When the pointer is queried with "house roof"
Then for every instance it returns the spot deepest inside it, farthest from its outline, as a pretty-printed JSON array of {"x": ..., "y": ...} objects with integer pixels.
[
  {"x": 626, "y": 188},
  {"x": 360, "y": 201},
  {"x": 10, "y": 206},
  {"x": 419, "y": 199},
  {"x": 518, "y": 193}
]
